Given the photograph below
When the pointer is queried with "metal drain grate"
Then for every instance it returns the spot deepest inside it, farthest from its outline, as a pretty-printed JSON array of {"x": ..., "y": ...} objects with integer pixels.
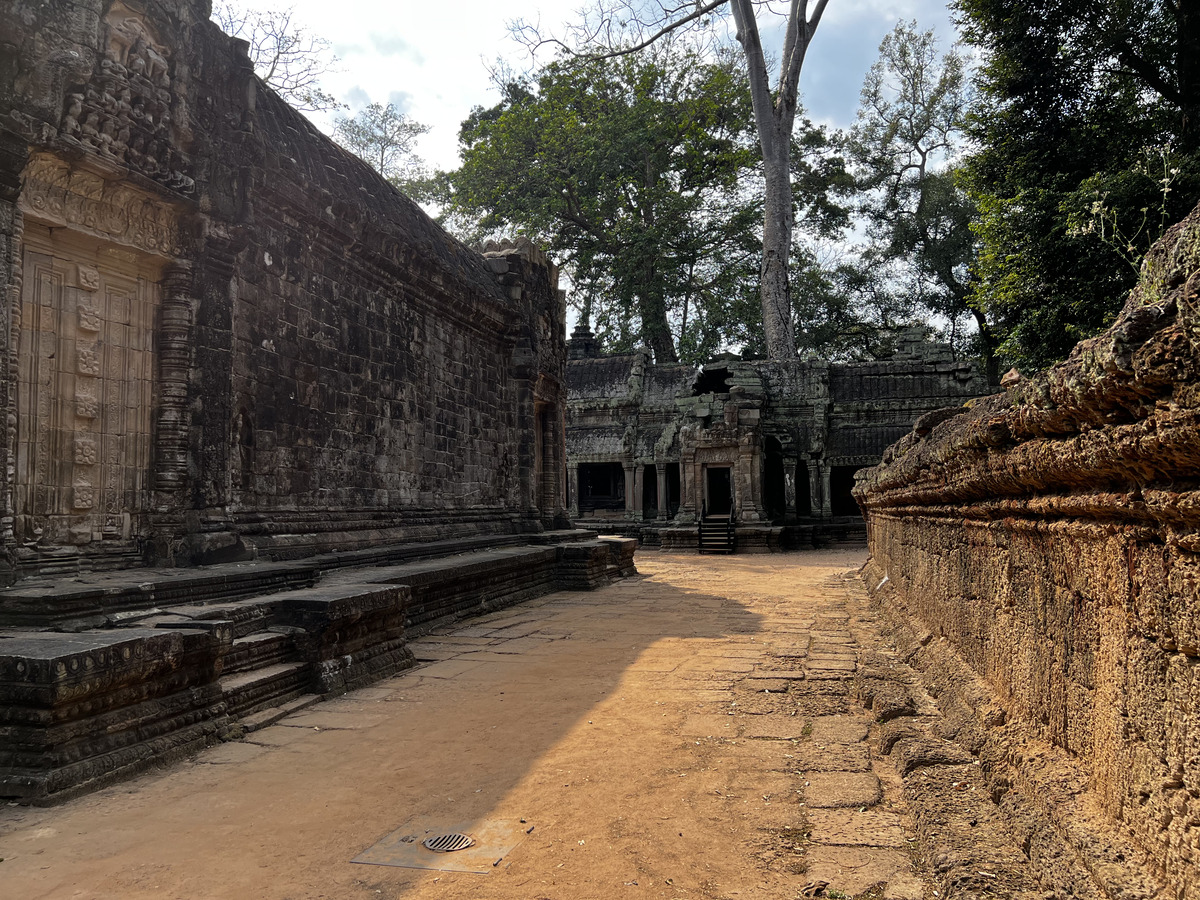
[{"x": 448, "y": 843}]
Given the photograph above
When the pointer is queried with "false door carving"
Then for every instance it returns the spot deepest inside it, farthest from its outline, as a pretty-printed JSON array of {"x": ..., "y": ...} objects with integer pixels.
[{"x": 85, "y": 390}]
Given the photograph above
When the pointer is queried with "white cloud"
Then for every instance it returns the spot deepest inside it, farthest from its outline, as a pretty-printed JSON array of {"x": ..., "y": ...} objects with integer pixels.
[
  {"x": 356, "y": 98},
  {"x": 394, "y": 45},
  {"x": 432, "y": 56}
]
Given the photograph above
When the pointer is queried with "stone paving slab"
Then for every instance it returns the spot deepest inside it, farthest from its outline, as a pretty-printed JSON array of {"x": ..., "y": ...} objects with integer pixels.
[
  {"x": 833, "y": 790},
  {"x": 833, "y": 757},
  {"x": 783, "y": 727},
  {"x": 869, "y": 827},
  {"x": 839, "y": 729},
  {"x": 855, "y": 869}
]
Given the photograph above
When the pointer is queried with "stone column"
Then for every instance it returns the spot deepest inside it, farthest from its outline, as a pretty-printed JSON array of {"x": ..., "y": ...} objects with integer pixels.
[
  {"x": 748, "y": 484},
  {"x": 174, "y": 365},
  {"x": 573, "y": 490},
  {"x": 826, "y": 497},
  {"x": 633, "y": 503},
  {"x": 689, "y": 499},
  {"x": 815, "y": 499},
  {"x": 664, "y": 496},
  {"x": 789, "y": 490}
]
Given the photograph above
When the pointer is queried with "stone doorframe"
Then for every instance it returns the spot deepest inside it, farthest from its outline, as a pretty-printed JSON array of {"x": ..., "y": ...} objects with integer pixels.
[{"x": 86, "y": 204}]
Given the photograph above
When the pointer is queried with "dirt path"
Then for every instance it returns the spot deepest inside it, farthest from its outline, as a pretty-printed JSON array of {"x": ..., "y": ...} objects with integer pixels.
[{"x": 687, "y": 733}]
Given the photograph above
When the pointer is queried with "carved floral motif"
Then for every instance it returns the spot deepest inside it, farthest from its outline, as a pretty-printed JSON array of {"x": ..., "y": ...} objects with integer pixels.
[
  {"x": 85, "y": 451},
  {"x": 89, "y": 318},
  {"x": 57, "y": 191},
  {"x": 89, "y": 278},
  {"x": 87, "y": 404},
  {"x": 88, "y": 360}
]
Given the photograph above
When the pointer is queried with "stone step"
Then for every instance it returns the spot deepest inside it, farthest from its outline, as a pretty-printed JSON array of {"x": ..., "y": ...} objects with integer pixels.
[
  {"x": 245, "y": 617},
  {"x": 272, "y": 714},
  {"x": 248, "y": 692},
  {"x": 396, "y": 554},
  {"x": 263, "y": 648},
  {"x": 106, "y": 599},
  {"x": 471, "y": 583}
]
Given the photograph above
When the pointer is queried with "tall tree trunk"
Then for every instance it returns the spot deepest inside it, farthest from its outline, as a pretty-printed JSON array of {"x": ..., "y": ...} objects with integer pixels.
[
  {"x": 656, "y": 333},
  {"x": 773, "y": 116},
  {"x": 774, "y": 287},
  {"x": 1187, "y": 62},
  {"x": 987, "y": 348},
  {"x": 652, "y": 308}
]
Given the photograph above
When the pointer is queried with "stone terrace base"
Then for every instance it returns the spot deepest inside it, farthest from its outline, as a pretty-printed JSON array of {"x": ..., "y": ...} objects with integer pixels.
[
  {"x": 769, "y": 538},
  {"x": 161, "y": 663}
]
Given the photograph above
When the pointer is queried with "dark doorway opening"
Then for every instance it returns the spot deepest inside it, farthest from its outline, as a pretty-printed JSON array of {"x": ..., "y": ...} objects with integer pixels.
[
  {"x": 601, "y": 487},
  {"x": 711, "y": 381},
  {"x": 650, "y": 492},
  {"x": 774, "y": 486},
  {"x": 720, "y": 491},
  {"x": 841, "y": 483},
  {"x": 673, "y": 488}
]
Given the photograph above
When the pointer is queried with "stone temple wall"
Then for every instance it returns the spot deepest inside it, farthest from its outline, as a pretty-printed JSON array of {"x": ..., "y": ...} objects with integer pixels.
[
  {"x": 1047, "y": 541},
  {"x": 224, "y": 336},
  {"x": 790, "y": 435}
]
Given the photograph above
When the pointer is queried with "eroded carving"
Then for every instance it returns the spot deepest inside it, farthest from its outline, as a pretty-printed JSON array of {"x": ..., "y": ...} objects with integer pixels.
[
  {"x": 56, "y": 191},
  {"x": 84, "y": 496},
  {"x": 88, "y": 360},
  {"x": 129, "y": 111},
  {"x": 85, "y": 451},
  {"x": 89, "y": 318}
]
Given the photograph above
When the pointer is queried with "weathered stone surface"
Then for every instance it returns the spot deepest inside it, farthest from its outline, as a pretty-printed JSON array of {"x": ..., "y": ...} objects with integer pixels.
[
  {"x": 77, "y": 710},
  {"x": 1047, "y": 539},
  {"x": 834, "y": 790},
  {"x": 84, "y": 709},
  {"x": 228, "y": 337},
  {"x": 652, "y": 448}
]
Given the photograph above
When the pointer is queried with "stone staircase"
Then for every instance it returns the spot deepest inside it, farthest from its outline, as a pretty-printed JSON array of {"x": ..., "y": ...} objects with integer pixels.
[
  {"x": 717, "y": 535},
  {"x": 100, "y": 678}
]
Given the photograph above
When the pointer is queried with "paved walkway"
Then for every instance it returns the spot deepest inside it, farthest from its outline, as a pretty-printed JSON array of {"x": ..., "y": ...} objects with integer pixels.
[{"x": 686, "y": 733}]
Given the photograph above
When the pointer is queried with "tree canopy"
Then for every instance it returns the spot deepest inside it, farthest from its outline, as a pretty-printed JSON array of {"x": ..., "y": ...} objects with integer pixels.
[
  {"x": 1087, "y": 117},
  {"x": 384, "y": 138},
  {"x": 288, "y": 57},
  {"x": 635, "y": 171},
  {"x": 615, "y": 27},
  {"x": 905, "y": 145}
]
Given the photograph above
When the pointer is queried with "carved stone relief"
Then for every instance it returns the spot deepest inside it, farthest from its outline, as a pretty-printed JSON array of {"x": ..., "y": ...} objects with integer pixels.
[
  {"x": 62, "y": 193},
  {"x": 130, "y": 112},
  {"x": 85, "y": 388}
]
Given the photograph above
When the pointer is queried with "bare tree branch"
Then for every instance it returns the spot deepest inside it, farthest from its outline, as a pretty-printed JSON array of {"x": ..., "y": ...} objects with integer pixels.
[{"x": 288, "y": 57}]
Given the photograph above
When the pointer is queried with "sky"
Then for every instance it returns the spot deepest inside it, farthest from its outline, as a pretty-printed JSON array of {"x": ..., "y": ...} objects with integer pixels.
[{"x": 432, "y": 59}]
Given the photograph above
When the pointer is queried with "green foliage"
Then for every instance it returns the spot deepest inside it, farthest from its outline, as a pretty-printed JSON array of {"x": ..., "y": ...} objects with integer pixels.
[
  {"x": 639, "y": 175},
  {"x": 1074, "y": 94},
  {"x": 843, "y": 310},
  {"x": 903, "y": 144},
  {"x": 383, "y": 137}
]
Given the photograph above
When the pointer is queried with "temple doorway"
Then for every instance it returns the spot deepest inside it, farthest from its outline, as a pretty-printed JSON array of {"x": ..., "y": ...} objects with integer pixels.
[{"x": 719, "y": 492}]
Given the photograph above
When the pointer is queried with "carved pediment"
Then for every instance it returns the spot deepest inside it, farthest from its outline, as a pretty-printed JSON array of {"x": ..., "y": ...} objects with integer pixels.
[{"x": 131, "y": 112}]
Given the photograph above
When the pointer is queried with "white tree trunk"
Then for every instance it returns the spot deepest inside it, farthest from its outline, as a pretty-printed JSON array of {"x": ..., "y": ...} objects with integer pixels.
[
  {"x": 774, "y": 286},
  {"x": 774, "y": 116}
]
